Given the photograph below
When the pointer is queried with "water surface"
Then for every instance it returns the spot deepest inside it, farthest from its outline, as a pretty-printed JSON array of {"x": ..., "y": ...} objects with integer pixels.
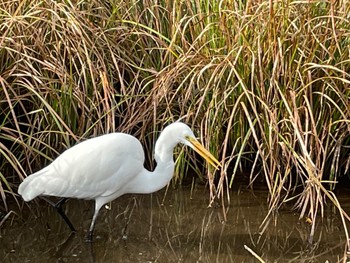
[{"x": 173, "y": 227}]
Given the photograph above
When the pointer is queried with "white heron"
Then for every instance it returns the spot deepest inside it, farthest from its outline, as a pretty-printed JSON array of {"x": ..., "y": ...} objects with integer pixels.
[{"x": 108, "y": 166}]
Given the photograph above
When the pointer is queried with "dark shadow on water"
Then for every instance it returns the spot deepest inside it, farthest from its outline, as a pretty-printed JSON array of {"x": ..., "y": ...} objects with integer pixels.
[{"x": 176, "y": 228}]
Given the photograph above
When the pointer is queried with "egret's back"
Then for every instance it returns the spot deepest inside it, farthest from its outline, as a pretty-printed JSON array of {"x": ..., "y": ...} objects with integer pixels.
[{"x": 91, "y": 169}]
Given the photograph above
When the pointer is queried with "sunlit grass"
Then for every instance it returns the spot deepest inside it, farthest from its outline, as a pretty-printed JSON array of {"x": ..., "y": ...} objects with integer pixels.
[{"x": 265, "y": 86}]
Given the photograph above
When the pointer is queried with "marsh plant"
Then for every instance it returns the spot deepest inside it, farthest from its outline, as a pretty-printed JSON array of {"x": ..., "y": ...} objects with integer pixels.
[{"x": 264, "y": 83}]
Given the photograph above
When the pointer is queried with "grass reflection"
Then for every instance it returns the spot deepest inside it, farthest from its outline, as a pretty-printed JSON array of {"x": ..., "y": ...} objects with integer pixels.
[{"x": 172, "y": 228}]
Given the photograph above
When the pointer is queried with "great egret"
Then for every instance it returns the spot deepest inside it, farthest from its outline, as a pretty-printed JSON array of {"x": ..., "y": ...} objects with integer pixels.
[{"x": 108, "y": 166}]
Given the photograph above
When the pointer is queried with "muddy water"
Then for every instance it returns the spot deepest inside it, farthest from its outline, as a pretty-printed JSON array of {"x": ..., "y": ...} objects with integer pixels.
[{"x": 172, "y": 227}]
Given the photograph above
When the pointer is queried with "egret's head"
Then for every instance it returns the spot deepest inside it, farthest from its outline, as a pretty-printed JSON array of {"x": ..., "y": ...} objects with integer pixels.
[{"x": 179, "y": 132}]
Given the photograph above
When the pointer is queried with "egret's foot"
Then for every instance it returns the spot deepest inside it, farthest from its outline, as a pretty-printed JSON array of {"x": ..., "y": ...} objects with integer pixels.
[
  {"x": 125, "y": 233},
  {"x": 88, "y": 238}
]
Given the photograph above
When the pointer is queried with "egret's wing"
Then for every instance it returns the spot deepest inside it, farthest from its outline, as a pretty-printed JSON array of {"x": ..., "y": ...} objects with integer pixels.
[{"x": 95, "y": 167}]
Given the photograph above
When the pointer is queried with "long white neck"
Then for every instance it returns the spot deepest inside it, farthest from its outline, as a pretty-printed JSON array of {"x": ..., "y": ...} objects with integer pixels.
[{"x": 149, "y": 182}]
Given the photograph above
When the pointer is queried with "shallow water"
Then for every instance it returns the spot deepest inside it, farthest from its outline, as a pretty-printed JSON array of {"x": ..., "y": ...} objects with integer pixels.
[{"x": 172, "y": 227}]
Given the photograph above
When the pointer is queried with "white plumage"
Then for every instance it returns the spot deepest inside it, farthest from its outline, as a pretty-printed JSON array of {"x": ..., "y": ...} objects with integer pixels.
[{"x": 108, "y": 166}]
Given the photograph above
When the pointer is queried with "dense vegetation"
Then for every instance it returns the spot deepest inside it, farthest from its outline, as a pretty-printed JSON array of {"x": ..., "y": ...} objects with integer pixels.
[{"x": 265, "y": 84}]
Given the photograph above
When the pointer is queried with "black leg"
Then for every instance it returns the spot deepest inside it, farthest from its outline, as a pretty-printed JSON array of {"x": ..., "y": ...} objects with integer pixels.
[
  {"x": 59, "y": 209},
  {"x": 61, "y": 202},
  {"x": 92, "y": 226},
  {"x": 89, "y": 236},
  {"x": 63, "y": 215},
  {"x": 125, "y": 232}
]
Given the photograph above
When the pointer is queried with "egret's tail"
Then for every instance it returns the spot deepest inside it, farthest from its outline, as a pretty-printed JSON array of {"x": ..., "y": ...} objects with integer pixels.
[{"x": 31, "y": 187}]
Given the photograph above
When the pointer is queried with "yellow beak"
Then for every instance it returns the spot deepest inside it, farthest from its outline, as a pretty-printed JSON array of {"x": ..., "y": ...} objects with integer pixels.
[{"x": 199, "y": 148}]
